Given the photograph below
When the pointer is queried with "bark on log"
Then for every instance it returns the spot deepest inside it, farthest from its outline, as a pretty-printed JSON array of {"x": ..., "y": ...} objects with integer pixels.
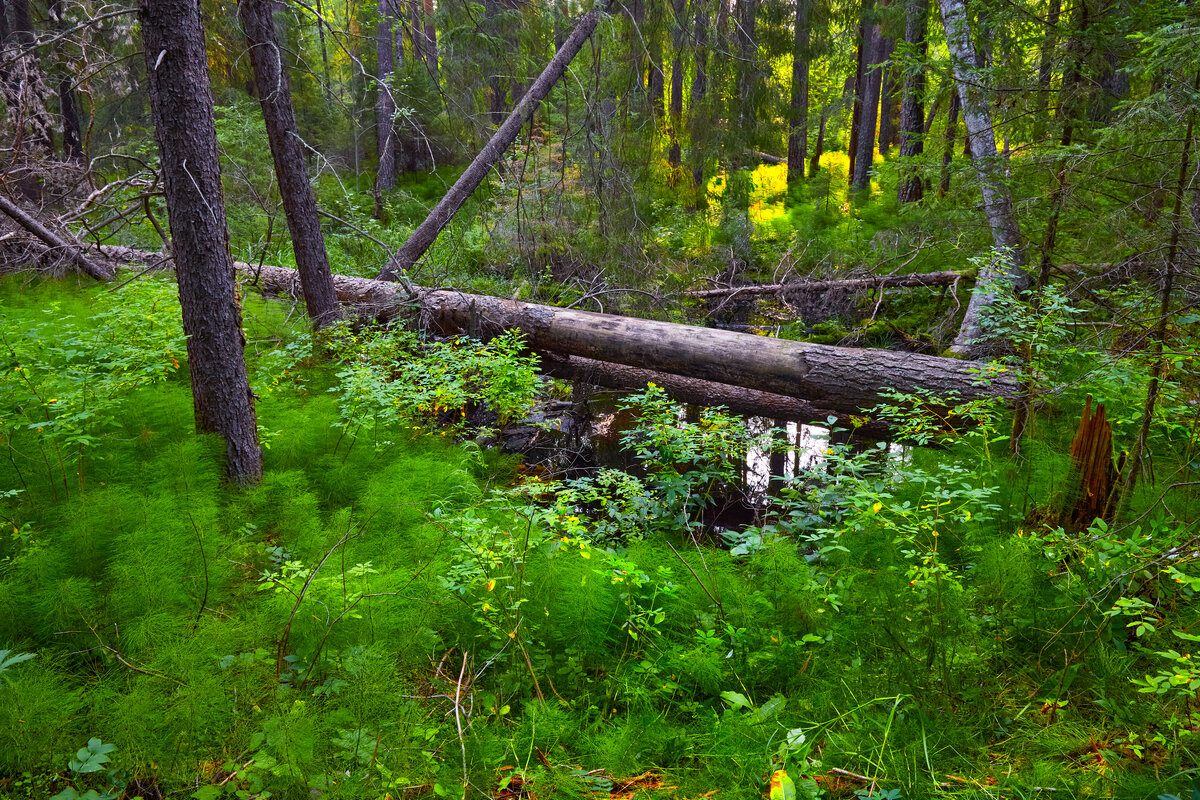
[
  {"x": 738, "y": 399},
  {"x": 72, "y": 251},
  {"x": 425, "y": 234},
  {"x": 844, "y": 380},
  {"x": 885, "y": 281}
]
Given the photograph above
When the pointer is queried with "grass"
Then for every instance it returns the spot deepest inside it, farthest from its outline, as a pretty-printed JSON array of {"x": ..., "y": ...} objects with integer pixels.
[{"x": 397, "y": 621}]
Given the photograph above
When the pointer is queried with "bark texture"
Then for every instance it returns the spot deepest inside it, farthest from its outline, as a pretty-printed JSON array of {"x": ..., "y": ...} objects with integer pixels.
[
  {"x": 798, "y": 121},
  {"x": 181, "y": 105},
  {"x": 989, "y": 169},
  {"x": 385, "y": 103},
  {"x": 425, "y": 234},
  {"x": 299, "y": 204},
  {"x": 864, "y": 147},
  {"x": 912, "y": 106},
  {"x": 740, "y": 400}
]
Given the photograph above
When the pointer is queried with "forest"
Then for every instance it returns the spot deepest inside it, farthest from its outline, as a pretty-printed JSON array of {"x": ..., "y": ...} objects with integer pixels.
[{"x": 661, "y": 399}]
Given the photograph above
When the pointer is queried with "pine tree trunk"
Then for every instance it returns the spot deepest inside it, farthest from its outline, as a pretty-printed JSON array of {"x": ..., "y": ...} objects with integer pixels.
[
  {"x": 697, "y": 110},
  {"x": 431, "y": 48},
  {"x": 948, "y": 150},
  {"x": 872, "y": 74},
  {"x": 385, "y": 105},
  {"x": 181, "y": 105},
  {"x": 888, "y": 99},
  {"x": 798, "y": 123},
  {"x": 856, "y": 110},
  {"x": 1046, "y": 70},
  {"x": 299, "y": 204},
  {"x": 814, "y": 166},
  {"x": 444, "y": 211},
  {"x": 71, "y": 134},
  {"x": 912, "y": 107},
  {"x": 989, "y": 168},
  {"x": 656, "y": 80},
  {"x": 678, "y": 37},
  {"x": 748, "y": 81}
]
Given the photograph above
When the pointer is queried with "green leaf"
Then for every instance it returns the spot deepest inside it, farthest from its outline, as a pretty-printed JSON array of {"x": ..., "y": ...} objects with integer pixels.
[
  {"x": 207, "y": 793},
  {"x": 736, "y": 699}
]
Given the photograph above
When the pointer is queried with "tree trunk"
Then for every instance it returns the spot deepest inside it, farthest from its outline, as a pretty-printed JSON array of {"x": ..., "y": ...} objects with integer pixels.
[
  {"x": 814, "y": 165},
  {"x": 872, "y": 75},
  {"x": 678, "y": 41},
  {"x": 1046, "y": 70},
  {"x": 748, "y": 79},
  {"x": 697, "y": 110},
  {"x": 72, "y": 251},
  {"x": 888, "y": 98},
  {"x": 989, "y": 168},
  {"x": 859, "y": 79},
  {"x": 655, "y": 80},
  {"x": 181, "y": 106},
  {"x": 798, "y": 123},
  {"x": 948, "y": 150},
  {"x": 431, "y": 50},
  {"x": 1159, "y": 369},
  {"x": 444, "y": 211},
  {"x": 68, "y": 108},
  {"x": 385, "y": 105},
  {"x": 739, "y": 400},
  {"x": 299, "y": 204},
  {"x": 912, "y": 107}
]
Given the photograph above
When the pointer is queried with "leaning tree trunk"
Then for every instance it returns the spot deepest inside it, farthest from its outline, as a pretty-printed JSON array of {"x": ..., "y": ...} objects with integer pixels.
[
  {"x": 989, "y": 168},
  {"x": 444, "y": 211},
  {"x": 299, "y": 204},
  {"x": 72, "y": 251},
  {"x": 181, "y": 105},
  {"x": 798, "y": 121},
  {"x": 912, "y": 106},
  {"x": 872, "y": 77}
]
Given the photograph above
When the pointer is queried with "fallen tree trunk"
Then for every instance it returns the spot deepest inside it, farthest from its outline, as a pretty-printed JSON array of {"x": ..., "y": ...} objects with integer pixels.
[
  {"x": 425, "y": 234},
  {"x": 844, "y": 380},
  {"x": 739, "y": 400},
  {"x": 72, "y": 251},
  {"x": 884, "y": 281}
]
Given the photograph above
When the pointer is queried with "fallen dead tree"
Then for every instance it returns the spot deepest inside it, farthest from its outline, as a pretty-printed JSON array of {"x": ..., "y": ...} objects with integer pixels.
[
  {"x": 843, "y": 380},
  {"x": 884, "y": 281},
  {"x": 738, "y": 399},
  {"x": 70, "y": 251}
]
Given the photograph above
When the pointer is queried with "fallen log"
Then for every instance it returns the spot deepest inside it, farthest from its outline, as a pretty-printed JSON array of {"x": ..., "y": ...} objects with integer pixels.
[
  {"x": 884, "y": 281},
  {"x": 73, "y": 252},
  {"x": 427, "y": 232},
  {"x": 738, "y": 399},
  {"x": 844, "y": 380}
]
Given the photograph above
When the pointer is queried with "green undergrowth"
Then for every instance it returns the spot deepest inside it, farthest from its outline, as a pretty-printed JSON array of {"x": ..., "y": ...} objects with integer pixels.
[{"x": 393, "y": 613}]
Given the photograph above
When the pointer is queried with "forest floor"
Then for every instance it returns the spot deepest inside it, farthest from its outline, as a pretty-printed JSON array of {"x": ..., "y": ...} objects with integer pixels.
[{"x": 397, "y": 613}]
